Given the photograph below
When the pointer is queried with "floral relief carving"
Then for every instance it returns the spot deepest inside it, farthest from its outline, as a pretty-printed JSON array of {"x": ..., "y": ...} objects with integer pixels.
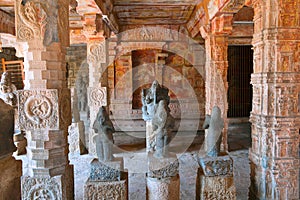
[
  {"x": 96, "y": 53},
  {"x": 97, "y": 97}
]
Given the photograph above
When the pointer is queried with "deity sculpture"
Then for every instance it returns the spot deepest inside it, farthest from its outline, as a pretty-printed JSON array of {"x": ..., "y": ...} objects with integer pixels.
[
  {"x": 104, "y": 137},
  {"x": 215, "y": 125},
  {"x": 151, "y": 97},
  {"x": 7, "y": 90},
  {"x": 162, "y": 123}
]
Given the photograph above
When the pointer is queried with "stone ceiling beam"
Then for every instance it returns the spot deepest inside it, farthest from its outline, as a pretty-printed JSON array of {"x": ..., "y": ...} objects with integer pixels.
[{"x": 108, "y": 15}]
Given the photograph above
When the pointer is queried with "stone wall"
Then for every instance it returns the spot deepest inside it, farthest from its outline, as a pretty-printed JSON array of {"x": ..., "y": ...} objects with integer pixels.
[{"x": 76, "y": 55}]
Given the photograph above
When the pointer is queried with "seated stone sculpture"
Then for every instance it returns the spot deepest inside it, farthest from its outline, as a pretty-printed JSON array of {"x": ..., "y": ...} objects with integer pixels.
[
  {"x": 215, "y": 125},
  {"x": 151, "y": 97},
  {"x": 104, "y": 137},
  {"x": 163, "y": 124}
]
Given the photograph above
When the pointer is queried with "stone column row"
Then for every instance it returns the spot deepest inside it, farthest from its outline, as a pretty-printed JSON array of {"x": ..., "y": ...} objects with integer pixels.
[{"x": 275, "y": 115}]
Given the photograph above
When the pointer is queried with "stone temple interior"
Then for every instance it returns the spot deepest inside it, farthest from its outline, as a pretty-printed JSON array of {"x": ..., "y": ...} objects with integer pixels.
[{"x": 149, "y": 99}]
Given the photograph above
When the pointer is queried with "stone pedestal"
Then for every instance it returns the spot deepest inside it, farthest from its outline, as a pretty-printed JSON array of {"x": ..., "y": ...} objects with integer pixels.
[
  {"x": 162, "y": 178},
  {"x": 150, "y": 137},
  {"x": 76, "y": 138},
  {"x": 94, "y": 190},
  {"x": 163, "y": 189},
  {"x": 215, "y": 178},
  {"x": 107, "y": 180},
  {"x": 10, "y": 173}
]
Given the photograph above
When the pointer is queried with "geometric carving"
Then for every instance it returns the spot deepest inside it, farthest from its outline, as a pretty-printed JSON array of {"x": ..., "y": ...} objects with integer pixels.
[
  {"x": 97, "y": 96},
  {"x": 38, "y": 109}
]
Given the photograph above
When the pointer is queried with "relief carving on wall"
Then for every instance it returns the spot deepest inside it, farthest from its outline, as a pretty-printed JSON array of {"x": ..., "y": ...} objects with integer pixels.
[
  {"x": 39, "y": 19},
  {"x": 97, "y": 97},
  {"x": 38, "y": 109},
  {"x": 233, "y": 6},
  {"x": 97, "y": 53},
  {"x": 41, "y": 188}
]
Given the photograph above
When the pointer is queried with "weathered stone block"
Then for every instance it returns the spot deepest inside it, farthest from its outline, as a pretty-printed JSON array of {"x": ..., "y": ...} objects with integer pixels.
[
  {"x": 94, "y": 190},
  {"x": 76, "y": 138},
  {"x": 162, "y": 167},
  {"x": 163, "y": 189},
  {"x": 106, "y": 171},
  {"x": 217, "y": 166}
]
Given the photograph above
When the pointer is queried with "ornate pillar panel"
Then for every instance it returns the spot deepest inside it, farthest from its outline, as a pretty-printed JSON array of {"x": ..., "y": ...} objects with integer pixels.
[
  {"x": 275, "y": 110},
  {"x": 44, "y": 105}
]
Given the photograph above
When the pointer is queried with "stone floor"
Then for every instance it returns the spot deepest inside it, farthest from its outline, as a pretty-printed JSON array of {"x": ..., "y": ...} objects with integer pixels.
[{"x": 186, "y": 147}]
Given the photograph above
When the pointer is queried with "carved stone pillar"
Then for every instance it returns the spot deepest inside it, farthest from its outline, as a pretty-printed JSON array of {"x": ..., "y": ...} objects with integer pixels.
[
  {"x": 44, "y": 105},
  {"x": 275, "y": 115},
  {"x": 216, "y": 44},
  {"x": 97, "y": 95}
]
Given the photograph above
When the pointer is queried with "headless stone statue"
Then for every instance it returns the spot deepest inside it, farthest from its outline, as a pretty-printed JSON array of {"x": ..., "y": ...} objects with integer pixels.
[
  {"x": 215, "y": 125},
  {"x": 162, "y": 123},
  {"x": 104, "y": 137}
]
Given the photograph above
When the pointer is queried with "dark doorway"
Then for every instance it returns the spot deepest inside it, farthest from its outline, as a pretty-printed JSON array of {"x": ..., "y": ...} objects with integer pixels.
[{"x": 240, "y": 68}]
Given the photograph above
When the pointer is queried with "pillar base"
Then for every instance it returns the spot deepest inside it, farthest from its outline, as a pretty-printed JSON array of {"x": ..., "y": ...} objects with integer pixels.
[
  {"x": 163, "y": 188},
  {"x": 10, "y": 173},
  {"x": 94, "y": 190},
  {"x": 44, "y": 187},
  {"x": 215, "y": 178}
]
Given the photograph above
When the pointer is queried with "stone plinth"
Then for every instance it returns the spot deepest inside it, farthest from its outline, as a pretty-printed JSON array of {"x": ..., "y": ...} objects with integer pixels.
[
  {"x": 10, "y": 173},
  {"x": 107, "y": 180},
  {"x": 76, "y": 138},
  {"x": 163, "y": 189},
  {"x": 215, "y": 178},
  {"x": 162, "y": 178},
  {"x": 94, "y": 190}
]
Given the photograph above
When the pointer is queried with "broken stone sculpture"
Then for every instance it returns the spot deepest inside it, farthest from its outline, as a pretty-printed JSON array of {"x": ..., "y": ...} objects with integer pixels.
[
  {"x": 215, "y": 125},
  {"x": 162, "y": 123},
  {"x": 6, "y": 128},
  {"x": 151, "y": 97},
  {"x": 7, "y": 89},
  {"x": 103, "y": 139}
]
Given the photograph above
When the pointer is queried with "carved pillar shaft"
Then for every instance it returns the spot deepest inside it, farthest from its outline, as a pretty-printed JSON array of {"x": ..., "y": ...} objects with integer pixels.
[
  {"x": 275, "y": 112},
  {"x": 44, "y": 105},
  {"x": 216, "y": 45}
]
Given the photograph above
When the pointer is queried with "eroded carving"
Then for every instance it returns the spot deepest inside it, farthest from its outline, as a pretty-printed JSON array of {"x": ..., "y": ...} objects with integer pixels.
[
  {"x": 97, "y": 97},
  {"x": 8, "y": 90}
]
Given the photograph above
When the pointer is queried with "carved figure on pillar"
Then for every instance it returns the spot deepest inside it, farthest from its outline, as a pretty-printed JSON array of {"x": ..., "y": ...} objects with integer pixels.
[
  {"x": 82, "y": 85},
  {"x": 104, "y": 137},
  {"x": 215, "y": 124},
  {"x": 162, "y": 123}
]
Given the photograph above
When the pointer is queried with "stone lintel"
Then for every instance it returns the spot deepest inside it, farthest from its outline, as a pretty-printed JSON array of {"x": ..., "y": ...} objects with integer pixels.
[
  {"x": 107, "y": 171},
  {"x": 216, "y": 166},
  {"x": 162, "y": 167}
]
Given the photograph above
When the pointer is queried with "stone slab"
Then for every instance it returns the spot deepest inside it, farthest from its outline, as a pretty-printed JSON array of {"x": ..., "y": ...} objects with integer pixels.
[
  {"x": 94, "y": 190},
  {"x": 106, "y": 171},
  {"x": 162, "y": 167},
  {"x": 163, "y": 189},
  {"x": 216, "y": 166}
]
